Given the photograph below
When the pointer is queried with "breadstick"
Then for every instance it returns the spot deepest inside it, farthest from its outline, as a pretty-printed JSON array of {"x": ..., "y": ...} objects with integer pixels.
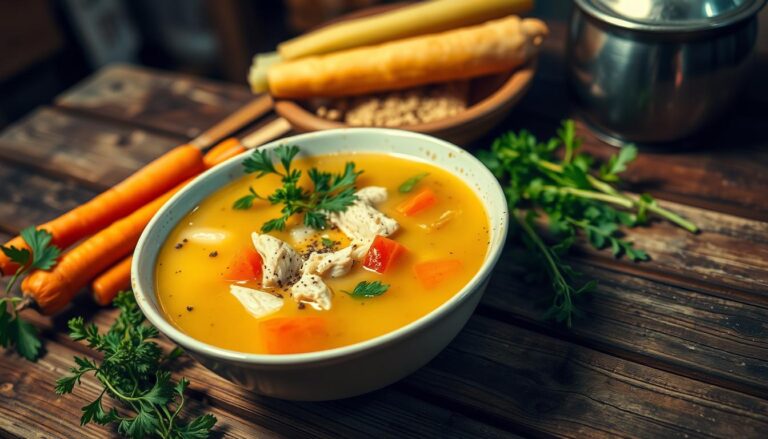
[
  {"x": 492, "y": 47},
  {"x": 417, "y": 19}
]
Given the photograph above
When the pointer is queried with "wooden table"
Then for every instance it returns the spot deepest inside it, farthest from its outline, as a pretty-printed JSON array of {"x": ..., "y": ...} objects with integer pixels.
[{"x": 677, "y": 346}]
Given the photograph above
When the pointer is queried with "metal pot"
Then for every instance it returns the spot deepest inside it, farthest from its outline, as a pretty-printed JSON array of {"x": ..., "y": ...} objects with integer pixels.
[{"x": 657, "y": 71}]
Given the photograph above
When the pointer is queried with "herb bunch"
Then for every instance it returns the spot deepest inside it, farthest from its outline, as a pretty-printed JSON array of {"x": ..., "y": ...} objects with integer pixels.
[
  {"x": 330, "y": 192},
  {"x": 134, "y": 374},
  {"x": 42, "y": 255},
  {"x": 571, "y": 196}
]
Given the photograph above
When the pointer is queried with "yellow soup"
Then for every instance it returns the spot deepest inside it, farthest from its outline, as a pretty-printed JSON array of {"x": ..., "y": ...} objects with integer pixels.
[{"x": 445, "y": 245}]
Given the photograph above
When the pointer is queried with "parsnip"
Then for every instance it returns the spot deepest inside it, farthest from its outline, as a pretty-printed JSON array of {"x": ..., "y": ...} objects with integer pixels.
[{"x": 492, "y": 47}]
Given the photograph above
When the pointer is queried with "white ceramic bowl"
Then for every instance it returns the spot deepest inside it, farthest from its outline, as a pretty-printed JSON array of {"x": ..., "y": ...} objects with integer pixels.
[{"x": 349, "y": 370}]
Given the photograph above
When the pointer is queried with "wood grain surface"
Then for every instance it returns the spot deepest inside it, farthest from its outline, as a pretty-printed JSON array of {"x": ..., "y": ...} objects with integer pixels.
[
  {"x": 164, "y": 101},
  {"x": 673, "y": 347}
]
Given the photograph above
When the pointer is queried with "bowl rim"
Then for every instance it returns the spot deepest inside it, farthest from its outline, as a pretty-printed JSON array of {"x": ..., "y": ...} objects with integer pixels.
[
  {"x": 155, "y": 317},
  {"x": 511, "y": 90}
]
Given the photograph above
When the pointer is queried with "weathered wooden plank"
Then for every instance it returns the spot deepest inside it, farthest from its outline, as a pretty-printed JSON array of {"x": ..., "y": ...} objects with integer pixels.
[
  {"x": 728, "y": 258},
  {"x": 30, "y": 198},
  {"x": 523, "y": 381},
  {"x": 720, "y": 341},
  {"x": 99, "y": 153},
  {"x": 171, "y": 102},
  {"x": 522, "y": 378}
]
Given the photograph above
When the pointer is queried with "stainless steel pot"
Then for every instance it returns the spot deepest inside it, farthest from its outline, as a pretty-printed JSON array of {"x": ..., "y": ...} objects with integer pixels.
[{"x": 657, "y": 71}]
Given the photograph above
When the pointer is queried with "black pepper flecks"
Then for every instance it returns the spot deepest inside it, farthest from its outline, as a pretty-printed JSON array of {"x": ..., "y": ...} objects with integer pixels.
[
  {"x": 190, "y": 308},
  {"x": 213, "y": 254},
  {"x": 178, "y": 245},
  {"x": 301, "y": 305}
]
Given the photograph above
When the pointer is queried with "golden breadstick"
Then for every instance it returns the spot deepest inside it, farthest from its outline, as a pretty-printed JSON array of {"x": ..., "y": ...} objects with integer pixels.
[
  {"x": 417, "y": 19},
  {"x": 492, "y": 47}
]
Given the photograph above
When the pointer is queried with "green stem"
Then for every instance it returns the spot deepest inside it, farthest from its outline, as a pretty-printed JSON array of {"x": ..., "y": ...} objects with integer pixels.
[
  {"x": 178, "y": 409},
  {"x": 14, "y": 278},
  {"x": 114, "y": 390},
  {"x": 673, "y": 217},
  {"x": 610, "y": 190},
  {"x": 592, "y": 195},
  {"x": 561, "y": 285},
  {"x": 163, "y": 431}
]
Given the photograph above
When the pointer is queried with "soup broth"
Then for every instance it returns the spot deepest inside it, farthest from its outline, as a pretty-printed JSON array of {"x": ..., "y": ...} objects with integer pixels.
[{"x": 192, "y": 269}]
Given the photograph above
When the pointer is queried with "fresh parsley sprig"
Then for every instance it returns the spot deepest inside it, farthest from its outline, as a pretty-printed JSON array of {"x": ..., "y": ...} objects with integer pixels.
[
  {"x": 41, "y": 255},
  {"x": 576, "y": 199},
  {"x": 133, "y": 374},
  {"x": 367, "y": 290},
  {"x": 329, "y": 192}
]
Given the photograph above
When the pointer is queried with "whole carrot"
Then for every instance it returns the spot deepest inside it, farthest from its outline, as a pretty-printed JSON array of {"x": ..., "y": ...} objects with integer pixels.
[
  {"x": 53, "y": 290},
  {"x": 118, "y": 278},
  {"x": 108, "y": 284},
  {"x": 135, "y": 191},
  {"x": 223, "y": 151}
]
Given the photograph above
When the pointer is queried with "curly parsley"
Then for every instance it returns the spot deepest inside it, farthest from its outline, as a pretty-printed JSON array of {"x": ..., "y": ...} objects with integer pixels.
[
  {"x": 133, "y": 374},
  {"x": 329, "y": 192},
  {"x": 575, "y": 200}
]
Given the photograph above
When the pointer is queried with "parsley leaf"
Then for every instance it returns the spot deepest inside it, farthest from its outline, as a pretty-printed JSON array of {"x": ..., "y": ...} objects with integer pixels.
[
  {"x": 260, "y": 163},
  {"x": 40, "y": 255},
  {"x": 409, "y": 184},
  {"x": 328, "y": 243},
  {"x": 367, "y": 290},
  {"x": 199, "y": 428},
  {"x": 134, "y": 376},
  {"x": 329, "y": 192},
  {"x": 18, "y": 255},
  {"x": 246, "y": 202},
  {"x": 574, "y": 200},
  {"x": 25, "y": 337},
  {"x": 618, "y": 163},
  {"x": 44, "y": 254}
]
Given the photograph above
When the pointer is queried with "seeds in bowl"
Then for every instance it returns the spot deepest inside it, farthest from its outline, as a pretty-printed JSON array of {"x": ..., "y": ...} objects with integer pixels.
[{"x": 398, "y": 108}]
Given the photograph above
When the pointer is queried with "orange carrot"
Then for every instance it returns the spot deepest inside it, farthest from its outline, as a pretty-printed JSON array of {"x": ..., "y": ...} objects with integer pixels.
[
  {"x": 52, "y": 290},
  {"x": 135, "y": 191},
  {"x": 246, "y": 265},
  {"x": 292, "y": 335},
  {"x": 108, "y": 284},
  {"x": 432, "y": 273},
  {"x": 421, "y": 201},
  {"x": 223, "y": 151}
]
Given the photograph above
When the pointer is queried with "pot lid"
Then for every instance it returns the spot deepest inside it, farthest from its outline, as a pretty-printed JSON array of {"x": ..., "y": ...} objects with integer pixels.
[{"x": 671, "y": 15}]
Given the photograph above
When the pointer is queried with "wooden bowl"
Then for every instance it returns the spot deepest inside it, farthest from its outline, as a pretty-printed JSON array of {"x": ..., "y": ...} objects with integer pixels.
[{"x": 490, "y": 99}]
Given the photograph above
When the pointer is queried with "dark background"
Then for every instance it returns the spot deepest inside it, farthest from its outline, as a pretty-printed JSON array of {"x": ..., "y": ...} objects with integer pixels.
[{"x": 48, "y": 45}]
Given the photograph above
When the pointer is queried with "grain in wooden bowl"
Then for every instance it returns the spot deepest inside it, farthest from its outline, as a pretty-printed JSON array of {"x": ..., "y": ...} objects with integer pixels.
[{"x": 458, "y": 111}]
